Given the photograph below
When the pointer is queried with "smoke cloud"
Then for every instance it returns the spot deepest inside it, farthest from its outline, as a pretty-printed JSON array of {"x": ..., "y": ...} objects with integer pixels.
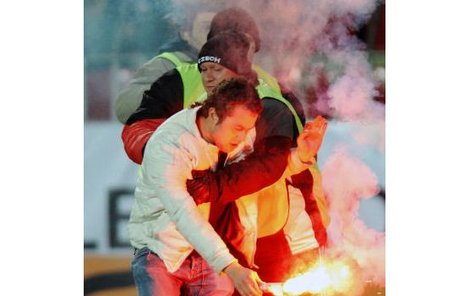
[
  {"x": 302, "y": 37},
  {"x": 311, "y": 48},
  {"x": 346, "y": 181}
]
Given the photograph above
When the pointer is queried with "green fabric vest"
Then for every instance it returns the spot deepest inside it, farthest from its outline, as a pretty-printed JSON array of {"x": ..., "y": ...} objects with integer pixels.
[
  {"x": 193, "y": 90},
  {"x": 267, "y": 78},
  {"x": 172, "y": 58}
]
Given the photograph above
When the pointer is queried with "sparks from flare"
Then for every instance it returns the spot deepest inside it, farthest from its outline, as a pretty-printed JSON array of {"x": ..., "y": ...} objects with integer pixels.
[{"x": 326, "y": 277}]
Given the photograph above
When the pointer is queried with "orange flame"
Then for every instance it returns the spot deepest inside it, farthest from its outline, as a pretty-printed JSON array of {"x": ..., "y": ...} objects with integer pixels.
[{"x": 324, "y": 278}]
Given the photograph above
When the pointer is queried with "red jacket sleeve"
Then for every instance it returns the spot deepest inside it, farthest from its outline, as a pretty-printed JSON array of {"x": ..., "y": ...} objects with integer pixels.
[
  {"x": 136, "y": 135},
  {"x": 267, "y": 163},
  {"x": 304, "y": 181}
]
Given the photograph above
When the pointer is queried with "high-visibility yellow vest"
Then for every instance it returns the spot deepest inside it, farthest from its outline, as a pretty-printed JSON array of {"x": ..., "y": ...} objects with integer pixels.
[
  {"x": 193, "y": 90},
  {"x": 267, "y": 78},
  {"x": 172, "y": 57}
]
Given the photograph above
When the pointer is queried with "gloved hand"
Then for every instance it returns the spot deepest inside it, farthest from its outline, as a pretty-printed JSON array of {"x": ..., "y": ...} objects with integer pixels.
[{"x": 201, "y": 187}]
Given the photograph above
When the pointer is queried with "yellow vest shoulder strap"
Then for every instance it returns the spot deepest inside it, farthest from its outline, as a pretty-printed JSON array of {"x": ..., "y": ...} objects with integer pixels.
[
  {"x": 172, "y": 57},
  {"x": 192, "y": 84},
  {"x": 264, "y": 90},
  {"x": 267, "y": 78}
]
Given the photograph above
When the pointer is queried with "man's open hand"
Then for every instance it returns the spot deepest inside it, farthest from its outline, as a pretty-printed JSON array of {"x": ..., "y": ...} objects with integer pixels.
[{"x": 311, "y": 138}]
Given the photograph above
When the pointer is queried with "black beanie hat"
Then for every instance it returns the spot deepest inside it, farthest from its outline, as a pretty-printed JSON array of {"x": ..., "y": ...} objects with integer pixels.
[
  {"x": 235, "y": 19},
  {"x": 230, "y": 49}
]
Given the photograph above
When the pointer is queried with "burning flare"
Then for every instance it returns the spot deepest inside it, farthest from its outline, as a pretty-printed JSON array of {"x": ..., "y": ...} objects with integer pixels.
[{"x": 327, "y": 277}]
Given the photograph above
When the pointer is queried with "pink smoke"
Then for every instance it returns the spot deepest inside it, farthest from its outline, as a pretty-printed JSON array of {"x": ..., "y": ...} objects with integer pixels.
[
  {"x": 352, "y": 93},
  {"x": 346, "y": 181},
  {"x": 301, "y": 36},
  {"x": 311, "y": 48}
]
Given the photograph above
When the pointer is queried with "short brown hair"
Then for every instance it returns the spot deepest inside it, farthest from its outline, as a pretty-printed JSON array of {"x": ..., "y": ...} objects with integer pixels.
[{"x": 231, "y": 93}]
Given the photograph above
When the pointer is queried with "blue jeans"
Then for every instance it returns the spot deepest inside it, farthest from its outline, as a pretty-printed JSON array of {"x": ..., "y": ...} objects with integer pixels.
[{"x": 194, "y": 278}]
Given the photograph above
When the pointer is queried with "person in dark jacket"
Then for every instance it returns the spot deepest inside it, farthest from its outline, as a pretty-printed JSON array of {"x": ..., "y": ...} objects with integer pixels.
[{"x": 198, "y": 24}]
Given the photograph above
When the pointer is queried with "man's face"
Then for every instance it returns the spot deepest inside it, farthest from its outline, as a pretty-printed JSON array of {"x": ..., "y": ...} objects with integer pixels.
[
  {"x": 212, "y": 74},
  {"x": 233, "y": 129}
]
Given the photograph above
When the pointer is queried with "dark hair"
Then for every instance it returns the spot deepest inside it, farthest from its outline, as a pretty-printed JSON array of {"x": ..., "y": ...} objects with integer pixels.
[
  {"x": 228, "y": 94},
  {"x": 236, "y": 19}
]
